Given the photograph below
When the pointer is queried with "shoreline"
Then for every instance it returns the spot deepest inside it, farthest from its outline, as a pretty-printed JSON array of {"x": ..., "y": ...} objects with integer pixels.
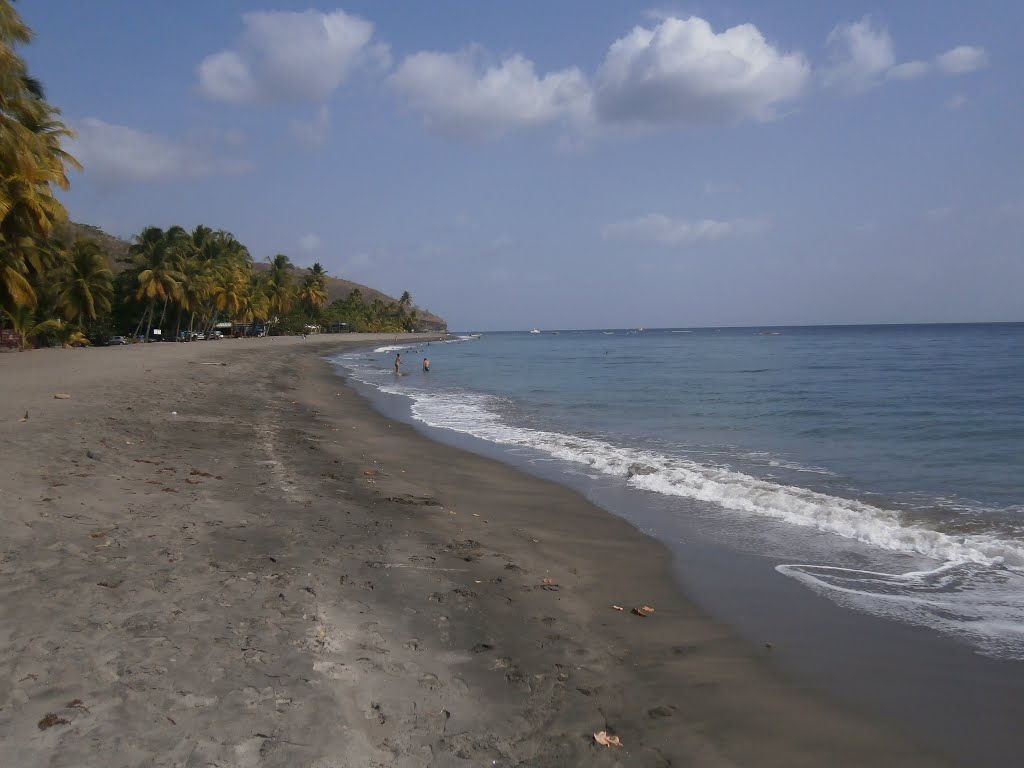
[
  {"x": 284, "y": 582},
  {"x": 936, "y": 689}
]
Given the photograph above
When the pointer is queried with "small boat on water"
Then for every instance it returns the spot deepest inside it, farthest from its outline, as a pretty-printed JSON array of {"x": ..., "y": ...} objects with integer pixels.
[
  {"x": 475, "y": 335},
  {"x": 534, "y": 331}
]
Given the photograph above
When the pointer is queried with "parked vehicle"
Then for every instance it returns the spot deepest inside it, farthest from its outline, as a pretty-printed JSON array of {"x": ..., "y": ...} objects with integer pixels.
[
  {"x": 198, "y": 337},
  {"x": 116, "y": 341},
  {"x": 216, "y": 335}
]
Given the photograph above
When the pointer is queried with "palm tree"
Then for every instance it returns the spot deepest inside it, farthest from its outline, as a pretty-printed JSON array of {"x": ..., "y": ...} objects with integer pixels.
[
  {"x": 279, "y": 288},
  {"x": 155, "y": 254},
  {"x": 85, "y": 282},
  {"x": 22, "y": 319},
  {"x": 313, "y": 294},
  {"x": 31, "y": 162}
]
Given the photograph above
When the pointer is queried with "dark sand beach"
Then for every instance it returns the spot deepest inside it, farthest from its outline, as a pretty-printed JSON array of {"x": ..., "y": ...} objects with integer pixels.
[{"x": 219, "y": 555}]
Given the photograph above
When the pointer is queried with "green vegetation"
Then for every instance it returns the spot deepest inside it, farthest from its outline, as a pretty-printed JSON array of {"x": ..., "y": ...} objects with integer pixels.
[{"x": 57, "y": 286}]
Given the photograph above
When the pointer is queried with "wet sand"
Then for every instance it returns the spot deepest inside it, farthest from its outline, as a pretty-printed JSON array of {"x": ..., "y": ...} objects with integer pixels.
[{"x": 217, "y": 554}]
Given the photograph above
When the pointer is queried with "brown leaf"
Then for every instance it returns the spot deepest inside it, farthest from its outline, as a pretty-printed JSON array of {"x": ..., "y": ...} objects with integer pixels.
[
  {"x": 646, "y": 609},
  {"x": 607, "y": 740},
  {"x": 548, "y": 581},
  {"x": 51, "y": 720},
  {"x": 638, "y": 612},
  {"x": 62, "y": 396}
]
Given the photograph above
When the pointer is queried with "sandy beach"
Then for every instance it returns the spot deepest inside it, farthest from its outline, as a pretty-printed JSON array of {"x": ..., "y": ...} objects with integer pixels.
[{"x": 217, "y": 554}]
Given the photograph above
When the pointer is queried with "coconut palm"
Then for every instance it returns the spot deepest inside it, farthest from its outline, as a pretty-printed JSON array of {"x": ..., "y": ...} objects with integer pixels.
[
  {"x": 84, "y": 284},
  {"x": 156, "y": 255},
  {"x": 312, "y": 294},
  {"x": 279, "y": 287},
  {"x": 31, "y": 161},
  {"x": 22, "y": 320},
  {"x": 68, "y": 334}
]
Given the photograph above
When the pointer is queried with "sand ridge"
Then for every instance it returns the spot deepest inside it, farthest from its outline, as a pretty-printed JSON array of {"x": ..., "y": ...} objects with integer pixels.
[{"x": 240, "y": 564}]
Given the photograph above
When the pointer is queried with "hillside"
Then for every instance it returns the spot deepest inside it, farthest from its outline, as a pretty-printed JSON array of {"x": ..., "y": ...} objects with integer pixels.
[{"x": 337, "y": 288}]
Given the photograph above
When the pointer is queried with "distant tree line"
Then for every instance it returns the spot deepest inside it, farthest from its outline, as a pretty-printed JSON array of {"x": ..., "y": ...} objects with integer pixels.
[{"x": 56, "y": 288}]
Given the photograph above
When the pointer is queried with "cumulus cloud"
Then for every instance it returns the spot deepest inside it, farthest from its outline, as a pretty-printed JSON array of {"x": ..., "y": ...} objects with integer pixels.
[
  {"x": 118, "y": 153},
  {"x": 290, "y": 57},
  {"x": 464, "y": 96},
  {"x": 682, "y": 72},
  {"x": 309, "y": 243},
  {"x": 962, "y": 59},
  {"x": 314, "y": 132},
  {"x": 665, "y": 230},
  {"x": 679, "y": 72},
  {"x": 860, "y": 54}
]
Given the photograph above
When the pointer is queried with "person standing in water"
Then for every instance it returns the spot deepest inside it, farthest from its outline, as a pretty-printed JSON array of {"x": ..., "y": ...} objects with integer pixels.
[
  {"x": 398, "y": 363},
  {"x": 426, "y": 364}
]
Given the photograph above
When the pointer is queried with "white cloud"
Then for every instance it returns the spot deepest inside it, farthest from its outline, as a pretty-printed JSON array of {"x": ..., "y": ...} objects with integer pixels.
[
  {"x": 288, "y": 57},
  {"x": 681, "y": 72},
  {"x": 962, "y": 59},
  {"x": 309, "y": 243},
  {"x": 860, "y": 53},
  {"x": 313, "y": 133},
  {"x": 463, "y": 96},
  {"x": 908, "y": 70},
  {"x": 117, "y": 153},
  {"x": 665, "y": 230},
  {"x": 354, "y": 265}
]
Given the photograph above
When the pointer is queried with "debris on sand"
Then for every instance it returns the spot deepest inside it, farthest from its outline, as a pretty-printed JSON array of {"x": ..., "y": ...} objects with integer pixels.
[
  {"x": 51, "y": 720},
  {"x": 643, "y": 611},
  {"x": 617, "y": 607},
  {"x": 606, "y": 740},
  {"x": 76, "y": 704},
  {"x": 62, "y": 396}
]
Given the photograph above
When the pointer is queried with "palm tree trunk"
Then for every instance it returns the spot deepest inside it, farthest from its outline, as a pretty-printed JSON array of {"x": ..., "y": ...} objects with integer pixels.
[
  {"x": 163, "y": 315},
  {"x": 177, "y": 325}
]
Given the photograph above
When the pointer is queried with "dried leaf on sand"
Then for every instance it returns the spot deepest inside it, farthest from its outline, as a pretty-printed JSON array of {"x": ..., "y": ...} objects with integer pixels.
[
  {"x": 51, "y": 720},
  {"x": 606, "y": 740}
]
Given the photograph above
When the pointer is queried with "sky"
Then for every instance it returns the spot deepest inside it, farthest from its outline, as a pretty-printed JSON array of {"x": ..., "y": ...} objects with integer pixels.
[{"x": 571, "y": 164}]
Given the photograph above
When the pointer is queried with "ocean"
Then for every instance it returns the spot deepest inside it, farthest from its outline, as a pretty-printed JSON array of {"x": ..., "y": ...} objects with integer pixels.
[{"x": 881, "y": 467}]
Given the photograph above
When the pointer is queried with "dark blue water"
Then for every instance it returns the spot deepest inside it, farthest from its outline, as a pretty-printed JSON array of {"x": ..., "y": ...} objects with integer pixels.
[{"x": 886, "y": 463}]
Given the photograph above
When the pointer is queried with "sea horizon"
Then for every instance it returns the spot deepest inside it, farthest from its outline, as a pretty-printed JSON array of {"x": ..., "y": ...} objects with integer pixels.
[{"x": 741, "y": 327}]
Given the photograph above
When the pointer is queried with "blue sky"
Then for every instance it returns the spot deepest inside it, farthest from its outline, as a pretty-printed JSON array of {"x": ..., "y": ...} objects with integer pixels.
[{"x": 571, "y": 164}]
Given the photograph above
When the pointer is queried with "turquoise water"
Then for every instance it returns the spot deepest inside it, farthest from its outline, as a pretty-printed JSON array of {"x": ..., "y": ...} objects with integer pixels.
[{"x": 883, "y": 465}]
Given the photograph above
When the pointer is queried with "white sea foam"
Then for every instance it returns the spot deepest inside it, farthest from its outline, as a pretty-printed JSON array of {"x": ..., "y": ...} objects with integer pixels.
[
  {"x": 420, "y": 344},
  {"x": 976, "y": 602},
  {"x": 478, "y": 415},
  {"x": 977, "y": 594}
]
